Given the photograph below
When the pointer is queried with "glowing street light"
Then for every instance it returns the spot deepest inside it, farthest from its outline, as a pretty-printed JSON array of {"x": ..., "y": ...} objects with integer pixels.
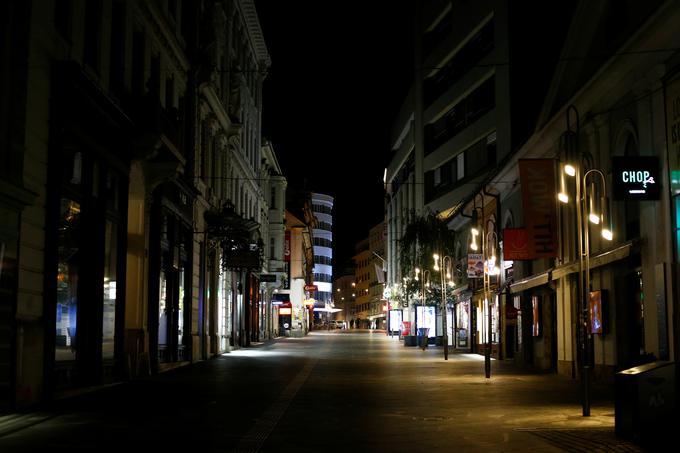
[
  {"x": 444, "y": 271},
  {"x": 586, "y": 191}
]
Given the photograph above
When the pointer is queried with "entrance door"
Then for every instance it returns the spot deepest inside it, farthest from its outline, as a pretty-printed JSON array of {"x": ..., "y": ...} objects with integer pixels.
[{"x": 630, "y": 320}]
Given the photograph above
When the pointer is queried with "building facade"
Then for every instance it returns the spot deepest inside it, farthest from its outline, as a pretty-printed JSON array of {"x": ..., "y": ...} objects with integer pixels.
[
  {"x": 322, "y": 206},
  {"x": 499, "y": 168},
  {"x": 135, "y": 169}
]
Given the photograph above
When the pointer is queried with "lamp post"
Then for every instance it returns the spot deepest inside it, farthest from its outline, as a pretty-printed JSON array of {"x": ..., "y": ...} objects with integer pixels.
[
  {"x": 444, "y": 271},
  {"x": 424, "y": 283},
  {"x": 585, "y": 203},
  {"x": 489, "y": 245}
]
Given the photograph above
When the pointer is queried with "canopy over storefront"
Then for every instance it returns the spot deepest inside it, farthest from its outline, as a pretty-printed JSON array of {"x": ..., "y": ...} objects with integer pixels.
[{"x": 327, "y": 310}]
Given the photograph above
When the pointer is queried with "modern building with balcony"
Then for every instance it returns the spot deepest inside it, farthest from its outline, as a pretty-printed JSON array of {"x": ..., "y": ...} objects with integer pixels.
[
  {"x": 574, "y": 96},
  {"x": 473, "y": 103}
]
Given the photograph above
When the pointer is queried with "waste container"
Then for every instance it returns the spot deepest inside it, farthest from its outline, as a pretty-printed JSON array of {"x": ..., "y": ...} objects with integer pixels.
[
  {"x": 423, "y": 333},
  {"x": 644, "y": 401},
  {"x": 410, "y": 340}
]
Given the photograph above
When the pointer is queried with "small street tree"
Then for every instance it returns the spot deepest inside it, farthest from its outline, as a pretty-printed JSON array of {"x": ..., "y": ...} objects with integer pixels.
[{"x": 424, "y": 236}]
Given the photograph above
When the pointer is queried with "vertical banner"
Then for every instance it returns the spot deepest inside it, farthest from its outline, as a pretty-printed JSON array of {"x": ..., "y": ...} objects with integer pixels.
[
  {"x": 286, "y": 247},
  {"x": 537, "y": 177}
]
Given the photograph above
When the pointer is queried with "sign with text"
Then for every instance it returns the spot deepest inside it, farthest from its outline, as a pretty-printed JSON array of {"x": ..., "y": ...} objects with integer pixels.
[
  {"x": 268, "y": 278},
  {"x": 537, "y": 177},
  {"x": 516, "y": 244},
  {"x": 636, "y": 178},
  {"x": 475, "y": 266},
  {"x": 311, "y": 288},
  {"x": 286, "y": 247}
]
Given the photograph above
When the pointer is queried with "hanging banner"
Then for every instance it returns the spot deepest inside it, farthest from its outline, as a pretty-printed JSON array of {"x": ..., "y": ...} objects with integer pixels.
[
  {"x": 286, "y": 247},
  {"x": 537, "y": 177},
  {"x": 516, "y": 244},
  {"x": 475, "y": 266}
]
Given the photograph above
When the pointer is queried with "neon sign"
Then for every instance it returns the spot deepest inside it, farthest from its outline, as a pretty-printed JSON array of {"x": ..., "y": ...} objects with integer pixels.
[{"x": 636, "y": 178}]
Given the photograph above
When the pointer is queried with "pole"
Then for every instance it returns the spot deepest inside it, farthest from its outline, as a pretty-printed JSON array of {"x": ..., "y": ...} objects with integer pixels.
[
  {"x": 584, "y": 282},
  {"x": 442, "y": 274}
]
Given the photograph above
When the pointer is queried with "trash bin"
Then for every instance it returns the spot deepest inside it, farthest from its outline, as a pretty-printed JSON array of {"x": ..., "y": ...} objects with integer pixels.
[
  {"x": 644, "y": 401},
  {"x": 410, "y": 340},
  {"x": 423, "y": 333}
]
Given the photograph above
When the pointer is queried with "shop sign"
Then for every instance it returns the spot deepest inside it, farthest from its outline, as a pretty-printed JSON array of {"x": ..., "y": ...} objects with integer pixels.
[
  {"x": 311, "y": 288},
  {"x": 537, "y": 177},
  {"x": 475, "y": 266},
  {"x": 516, "y": 244},
  {"x": 636, "y": 178},
  {"x": 286, "y": 247},
  {"x": 268, "y": 278}
]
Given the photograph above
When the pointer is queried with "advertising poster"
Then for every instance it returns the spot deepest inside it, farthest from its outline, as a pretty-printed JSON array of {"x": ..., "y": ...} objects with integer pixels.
[{"x": 475, "y": 267}]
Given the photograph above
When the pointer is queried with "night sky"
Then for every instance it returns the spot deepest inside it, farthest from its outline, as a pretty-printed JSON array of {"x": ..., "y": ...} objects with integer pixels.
[{"x": 340, "y": 71}]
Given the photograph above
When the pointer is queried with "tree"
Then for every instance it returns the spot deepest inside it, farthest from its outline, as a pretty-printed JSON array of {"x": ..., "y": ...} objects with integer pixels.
[{"x": 424, "y": 236}]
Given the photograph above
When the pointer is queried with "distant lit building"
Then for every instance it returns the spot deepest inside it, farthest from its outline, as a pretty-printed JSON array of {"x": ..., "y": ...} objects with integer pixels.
[
  {"x": 361, "y": 308},
  {"x": 322, "y": 207},
  {"x": 343, "y": 290},
  {"x": 376, "y": 285}
]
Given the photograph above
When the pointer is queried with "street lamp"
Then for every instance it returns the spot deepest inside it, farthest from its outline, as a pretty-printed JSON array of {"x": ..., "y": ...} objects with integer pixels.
[
  {"x": 489, "y": 246},
  {"x": 444, "y": 272},
  {"x": 486, "y": 230},
  {"x": 586, "y": 189}
]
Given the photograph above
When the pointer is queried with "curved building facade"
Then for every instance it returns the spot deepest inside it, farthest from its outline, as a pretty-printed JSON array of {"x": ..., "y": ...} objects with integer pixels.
[{"x": 322, "y": 207}]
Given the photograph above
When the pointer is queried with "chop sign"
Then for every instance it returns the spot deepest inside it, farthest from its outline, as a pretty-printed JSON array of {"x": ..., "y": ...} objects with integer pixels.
[{"x": 636, "y": 178}]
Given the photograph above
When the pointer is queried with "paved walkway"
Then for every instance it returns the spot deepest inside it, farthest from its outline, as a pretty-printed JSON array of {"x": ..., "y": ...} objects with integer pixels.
[{"x": 330, "y": 391}]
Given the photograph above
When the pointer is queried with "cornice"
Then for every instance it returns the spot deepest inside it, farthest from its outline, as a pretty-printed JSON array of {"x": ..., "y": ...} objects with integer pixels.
[{"x": 249, "y": 13}]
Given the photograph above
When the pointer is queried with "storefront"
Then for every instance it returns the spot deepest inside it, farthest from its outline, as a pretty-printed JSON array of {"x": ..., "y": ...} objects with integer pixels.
[
  {"x": 462, "y": 321},
  {"x": 169, "y": 275},
  {"x": 85, "y": 234}
]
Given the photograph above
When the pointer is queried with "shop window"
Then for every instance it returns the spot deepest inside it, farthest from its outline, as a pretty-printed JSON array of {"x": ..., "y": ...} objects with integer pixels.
[
  {"x": 110, "y": 289},
  {"x": 536, "y": 310},
  {"x": 68, "y": 271},
  {"x": 163, "y": 317}
]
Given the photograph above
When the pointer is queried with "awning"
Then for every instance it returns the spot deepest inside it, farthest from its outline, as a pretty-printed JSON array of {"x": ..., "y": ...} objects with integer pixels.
[
  {"x": 601, "y": 259},
  {"x": 327, "y": 310}
]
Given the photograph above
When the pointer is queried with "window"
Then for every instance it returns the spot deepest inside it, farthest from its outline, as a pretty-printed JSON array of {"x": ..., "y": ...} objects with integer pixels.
[
  {"x": 93, "y": 19},
  {"x": 460, "y": 64},
  {"x": 155, "y": 78},
  {"x": 62, "y": 17},
  {"x": 116, "y": 66},
  {"x": 138, "y": 61},
  {"x": 470, "y": 162},
  {"x": 169, "y": 92},
  {"x": 272, "y": 198},
  {"x": 468, "y": 110},
  {"x": 272, "y": 248}
]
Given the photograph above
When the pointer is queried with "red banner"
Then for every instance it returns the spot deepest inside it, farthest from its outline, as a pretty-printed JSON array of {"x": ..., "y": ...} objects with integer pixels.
[
  {"x": 537, "y": 177},
  {"x": 516, "y": 244},
  {"x": 286, "y": 247}
]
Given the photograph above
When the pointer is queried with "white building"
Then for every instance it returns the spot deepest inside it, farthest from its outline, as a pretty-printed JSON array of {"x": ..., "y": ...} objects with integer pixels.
[{"x": 322, "y": 207}]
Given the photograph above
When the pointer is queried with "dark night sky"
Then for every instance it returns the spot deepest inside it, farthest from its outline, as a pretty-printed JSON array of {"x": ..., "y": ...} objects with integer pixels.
[{"x": 340, "y": 71}]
